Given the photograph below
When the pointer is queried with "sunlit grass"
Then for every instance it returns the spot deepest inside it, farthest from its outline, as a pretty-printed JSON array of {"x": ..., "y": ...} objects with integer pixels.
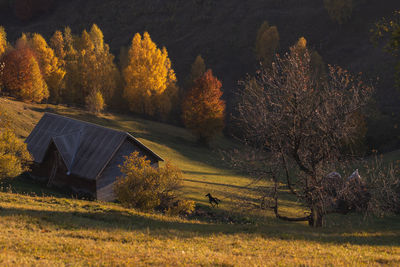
[{"x": 40, "y": 226}]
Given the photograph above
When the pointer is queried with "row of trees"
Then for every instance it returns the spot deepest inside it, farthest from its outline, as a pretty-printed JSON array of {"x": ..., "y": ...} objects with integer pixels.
[{"x": 81, "y": 70}]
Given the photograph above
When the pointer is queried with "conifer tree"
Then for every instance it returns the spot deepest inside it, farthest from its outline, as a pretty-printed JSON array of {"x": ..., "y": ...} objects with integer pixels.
[
  {"x": 203, "y": 110},
  {"x": 267, "y": 43},
  {"x": 147, "y": 76},
  {"x": 198, "y": 68}
]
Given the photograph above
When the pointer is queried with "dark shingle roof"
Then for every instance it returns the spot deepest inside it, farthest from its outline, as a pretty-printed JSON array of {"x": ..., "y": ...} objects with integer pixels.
[{"x": 86, "y": 148}]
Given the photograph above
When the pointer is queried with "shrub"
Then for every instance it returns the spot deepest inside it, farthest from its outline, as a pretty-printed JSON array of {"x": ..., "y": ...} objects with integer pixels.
[
  {"x": 147, "y": 188},
  {"x": 14, "y": 156},
  {"x": 384, "y": 186},
  {"x": 95, "y": 102}
]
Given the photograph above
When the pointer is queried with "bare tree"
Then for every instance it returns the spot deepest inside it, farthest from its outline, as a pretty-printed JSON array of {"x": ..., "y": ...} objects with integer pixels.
[{"x": 303, "y": 122}]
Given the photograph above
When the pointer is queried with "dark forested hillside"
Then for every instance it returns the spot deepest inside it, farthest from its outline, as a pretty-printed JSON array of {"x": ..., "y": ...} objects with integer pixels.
[{"x": 224, "y": 32}]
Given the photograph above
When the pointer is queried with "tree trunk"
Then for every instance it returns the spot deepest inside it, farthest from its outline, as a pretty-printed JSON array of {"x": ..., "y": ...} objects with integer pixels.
[{"x": 316, "y": 218}]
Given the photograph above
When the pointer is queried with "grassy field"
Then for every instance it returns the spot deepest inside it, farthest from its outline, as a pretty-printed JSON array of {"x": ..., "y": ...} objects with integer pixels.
[{"x": 39, "y": 226}]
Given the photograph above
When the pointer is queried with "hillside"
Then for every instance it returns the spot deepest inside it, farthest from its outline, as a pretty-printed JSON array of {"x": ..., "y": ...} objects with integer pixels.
[
  {"x": 41, "y": 226},
  {"x": 224, "y": 32},
  {"x": 203, "y": 170}
]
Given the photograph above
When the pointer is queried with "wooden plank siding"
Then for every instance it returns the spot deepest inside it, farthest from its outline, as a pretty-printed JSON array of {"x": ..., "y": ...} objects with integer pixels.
[{"x": 62, "y": 180}]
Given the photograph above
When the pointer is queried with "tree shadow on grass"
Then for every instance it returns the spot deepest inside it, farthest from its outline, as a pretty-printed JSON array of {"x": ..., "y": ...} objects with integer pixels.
[
  {"x": 100, "y": 219},
  {"x": 25, "y": 185}
]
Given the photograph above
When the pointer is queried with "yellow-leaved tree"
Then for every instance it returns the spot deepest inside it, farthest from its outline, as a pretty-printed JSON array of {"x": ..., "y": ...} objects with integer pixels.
[
  {"x": 72, "y": 79},
  {"x": 50, "y": 66},
  {"x": 317, "y": 64},
  {"x": 267, "y": 43},
  {"x": 58, "y": 45},
  {"x": 150, "y": 81},
  {"x": 97, "y": 70},
  {"x": 3, "y": 41},
  {"x": 3, "y": 46}
]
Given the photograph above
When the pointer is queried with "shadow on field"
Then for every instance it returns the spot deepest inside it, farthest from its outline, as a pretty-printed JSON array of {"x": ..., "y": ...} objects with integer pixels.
[
  {"x": 96, "y": 217},
  {"x": 218, "y": 184}
]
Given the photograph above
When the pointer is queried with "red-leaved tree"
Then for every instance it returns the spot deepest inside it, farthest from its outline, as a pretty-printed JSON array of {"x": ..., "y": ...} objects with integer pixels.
[{"x": 203, "y": 110}]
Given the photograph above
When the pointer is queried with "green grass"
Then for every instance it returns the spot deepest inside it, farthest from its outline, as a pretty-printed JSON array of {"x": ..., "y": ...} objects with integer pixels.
[{"x": 41, "y": 226}]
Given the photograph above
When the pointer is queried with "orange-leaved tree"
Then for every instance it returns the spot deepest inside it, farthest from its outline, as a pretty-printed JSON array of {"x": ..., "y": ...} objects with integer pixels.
[
  {"x": 22, "y": 77},
  {"x": 203, "y": 110},
  {"x": 147, "y": 76}
]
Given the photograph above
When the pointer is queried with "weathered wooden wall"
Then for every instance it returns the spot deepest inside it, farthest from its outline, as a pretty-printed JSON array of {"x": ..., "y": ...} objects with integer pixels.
[{"x": 107, "y": 178}]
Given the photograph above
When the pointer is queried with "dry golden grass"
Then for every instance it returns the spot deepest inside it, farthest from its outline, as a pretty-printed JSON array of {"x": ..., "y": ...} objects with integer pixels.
[
  {"x": 58, "y": 232},
  {"x": 42, "y": 227}
]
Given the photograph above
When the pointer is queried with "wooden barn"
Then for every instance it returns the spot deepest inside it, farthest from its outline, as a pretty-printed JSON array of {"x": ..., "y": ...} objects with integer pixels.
[{"x": 81, "y": 156}]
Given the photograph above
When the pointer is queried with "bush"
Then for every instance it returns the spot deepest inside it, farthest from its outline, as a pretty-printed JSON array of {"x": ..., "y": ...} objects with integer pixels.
[
  {"x": 14, "y": 156},
  {"x": 147, "y": 188},
  {"x": 95, "y": 102},
  {"x": 384, "y": 186}
]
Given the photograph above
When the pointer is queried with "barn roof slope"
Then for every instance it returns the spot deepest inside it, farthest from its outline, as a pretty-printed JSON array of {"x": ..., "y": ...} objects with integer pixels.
[{"x": 85, "y": 148}]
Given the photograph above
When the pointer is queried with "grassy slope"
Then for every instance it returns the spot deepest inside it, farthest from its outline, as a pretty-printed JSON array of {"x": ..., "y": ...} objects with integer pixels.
[{"x": 50, "y": 230}]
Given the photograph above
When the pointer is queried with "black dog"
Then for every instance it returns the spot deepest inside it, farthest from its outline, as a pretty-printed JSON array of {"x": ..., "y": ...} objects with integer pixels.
[{"x": 213, "y": 200}]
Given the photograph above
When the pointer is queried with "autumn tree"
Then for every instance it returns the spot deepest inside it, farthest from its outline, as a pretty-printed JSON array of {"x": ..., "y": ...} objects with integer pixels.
[
  {"x": 267, "y": 43},
  {"x": 387, "y": 30},
  {"x": 22, "y": 76},
  {"x": 97, "y": 70},
  {"x": 303, "y": 129},
  {"x": 339, "y": 10},
  {"x": 58, "y": 44},
  {"x": 203, "y": 110},
  {"x": 50, "y": 66},
  {"x": 3, "y": 41},
  {"x": 72, "y": 92},
  {"x": 3, "y": 46},
  {"x": 317, "y": 64},
  {"x": 147, "y": 77},
  {"x": 197, "y": 70}
]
